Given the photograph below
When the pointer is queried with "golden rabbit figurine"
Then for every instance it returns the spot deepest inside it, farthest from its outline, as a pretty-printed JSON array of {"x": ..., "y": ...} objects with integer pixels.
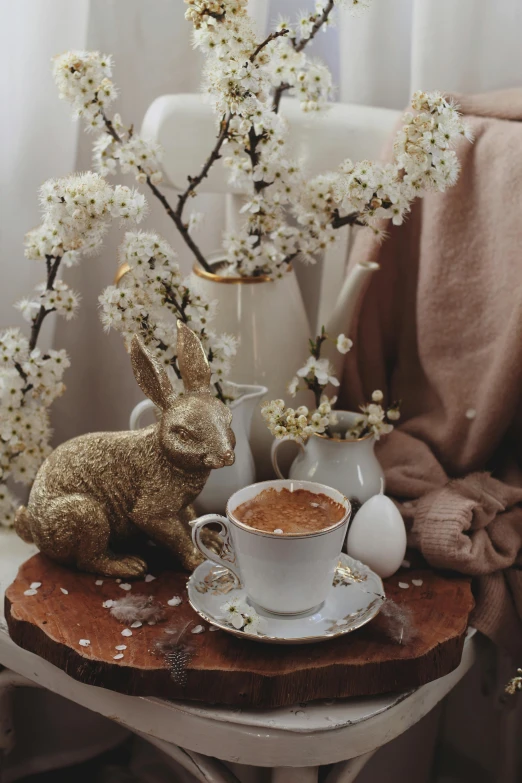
[{"x": 95, "y": 491}]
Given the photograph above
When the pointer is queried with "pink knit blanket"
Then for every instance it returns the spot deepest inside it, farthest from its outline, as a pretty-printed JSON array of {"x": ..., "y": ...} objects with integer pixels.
[{"x": 440, "y": 328}]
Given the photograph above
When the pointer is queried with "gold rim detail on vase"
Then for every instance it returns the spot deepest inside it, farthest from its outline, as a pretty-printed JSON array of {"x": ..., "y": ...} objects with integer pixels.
[
  {"x": 212, "y": 276},
  {"x": 122, "y": 271},
  {"x": 215, "y": 278}
]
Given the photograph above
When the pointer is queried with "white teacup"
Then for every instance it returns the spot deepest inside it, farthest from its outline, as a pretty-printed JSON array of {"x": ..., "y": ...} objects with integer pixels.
[{"x": 282, "y": 574}]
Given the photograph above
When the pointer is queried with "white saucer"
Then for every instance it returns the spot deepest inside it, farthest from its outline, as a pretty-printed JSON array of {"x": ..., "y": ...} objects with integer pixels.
[{"x": 355, "y": 598}]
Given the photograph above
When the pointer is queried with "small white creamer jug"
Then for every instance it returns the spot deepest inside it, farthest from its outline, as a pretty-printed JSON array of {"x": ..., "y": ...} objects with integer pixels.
[{"x": 350, "y": 466}]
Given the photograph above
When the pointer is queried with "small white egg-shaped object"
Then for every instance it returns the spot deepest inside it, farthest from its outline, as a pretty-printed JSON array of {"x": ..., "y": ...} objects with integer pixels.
[{"x": 377, "y": 536}]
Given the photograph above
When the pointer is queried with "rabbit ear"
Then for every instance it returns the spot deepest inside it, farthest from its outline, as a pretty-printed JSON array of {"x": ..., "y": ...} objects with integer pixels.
[
  {"x": 192, "y": 361},
  {"x": 151, "y": 376}
]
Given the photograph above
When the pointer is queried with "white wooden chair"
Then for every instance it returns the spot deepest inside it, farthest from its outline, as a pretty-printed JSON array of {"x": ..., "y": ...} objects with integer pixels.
[{"x": 294, "y": 743}]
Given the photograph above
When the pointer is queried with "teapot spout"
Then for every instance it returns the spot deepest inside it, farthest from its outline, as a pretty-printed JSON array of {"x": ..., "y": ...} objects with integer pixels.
[
  {"x": 341, "y": 320},
  {"x": 352, "y": 291}
]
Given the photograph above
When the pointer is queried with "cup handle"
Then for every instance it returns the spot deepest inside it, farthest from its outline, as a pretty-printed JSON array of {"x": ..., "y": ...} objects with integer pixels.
[
  {"x": 273, "y": 453},
  {"x": 137, "y": 413},
  {"x": 227, "y": 556}
]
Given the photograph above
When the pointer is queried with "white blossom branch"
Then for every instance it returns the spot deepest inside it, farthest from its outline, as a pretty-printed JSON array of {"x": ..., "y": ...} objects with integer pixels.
[
  {"x": 173, "y": 214},
  {"x": 320, "y": 20},
  {"x": 271, "y": 37},
  {"x": 215, "y": 154},
  {"x": 53, "y": 265}
]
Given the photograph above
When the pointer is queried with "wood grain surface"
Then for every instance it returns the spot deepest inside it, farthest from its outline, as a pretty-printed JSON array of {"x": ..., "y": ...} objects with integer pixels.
[{"x": 215, "y": 667}]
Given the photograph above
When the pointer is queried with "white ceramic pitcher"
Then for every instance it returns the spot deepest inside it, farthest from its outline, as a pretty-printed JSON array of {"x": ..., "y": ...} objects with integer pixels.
[
  {"x": 350, "y": 466},
  {"x": 270, "y": 318},
  {"x": 222, "y": 483}
]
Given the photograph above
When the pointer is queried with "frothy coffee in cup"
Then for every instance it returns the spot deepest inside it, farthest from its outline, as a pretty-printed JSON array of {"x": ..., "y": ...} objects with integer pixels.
[
  {"x": 281, "y": 542},
  {"x": 290, "y": 513}
]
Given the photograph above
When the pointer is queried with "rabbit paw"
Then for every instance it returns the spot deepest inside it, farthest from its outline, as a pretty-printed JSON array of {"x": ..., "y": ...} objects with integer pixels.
[
  {"x": 191, "y": 559},
  {"x": 127, "y": 567}
]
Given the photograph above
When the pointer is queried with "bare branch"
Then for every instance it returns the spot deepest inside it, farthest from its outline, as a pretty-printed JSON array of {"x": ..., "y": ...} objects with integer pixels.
[
  {"x": 320, "y": 20},
  {"x": 53, "y": 264},
  {"x": 194, "y": 182},
  {"x": 271, "y": 37},
  {"x": 353, "y": 219},
  {"x": 182, "y": 228},
  {"x": 278, "y": 94},
  {"x": 111, "y": 130}
]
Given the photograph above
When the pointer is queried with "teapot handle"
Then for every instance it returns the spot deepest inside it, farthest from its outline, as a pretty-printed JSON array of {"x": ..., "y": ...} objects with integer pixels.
[
  {"x": 273, "y": 453},
  {"x": 137, "y": 413}
]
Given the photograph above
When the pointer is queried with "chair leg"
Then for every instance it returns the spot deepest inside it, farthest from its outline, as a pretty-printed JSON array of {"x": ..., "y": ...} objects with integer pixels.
[
  {"x": 347, "y": 771},
  {"x": 295, "y": 774},
  {"x": 204, "y": 768},
  {"x": 8, "y": 682},
  {"x": 6, "y": 714}
]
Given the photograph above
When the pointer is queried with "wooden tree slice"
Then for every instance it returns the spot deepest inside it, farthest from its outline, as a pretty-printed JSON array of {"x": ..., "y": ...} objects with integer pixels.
[{"x": 215, "y": 667}]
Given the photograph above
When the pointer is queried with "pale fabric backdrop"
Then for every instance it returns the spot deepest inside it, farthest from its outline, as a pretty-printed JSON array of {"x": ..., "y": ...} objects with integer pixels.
[
  {"x": 377, "y": 59},
  {"x": 38, "y": 139}
]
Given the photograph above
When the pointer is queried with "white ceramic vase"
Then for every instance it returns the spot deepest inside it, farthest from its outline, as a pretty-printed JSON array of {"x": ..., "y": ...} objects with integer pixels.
[
  {"x": 350, "y": 466},
  {"x": 222, "y": 483},
  {"x": 270, "y": 319}
]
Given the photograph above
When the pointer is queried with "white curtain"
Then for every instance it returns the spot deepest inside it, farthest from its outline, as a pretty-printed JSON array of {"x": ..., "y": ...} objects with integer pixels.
[
  {"x": 399, "y": 46},
  {"x": 38, "y": 140}
]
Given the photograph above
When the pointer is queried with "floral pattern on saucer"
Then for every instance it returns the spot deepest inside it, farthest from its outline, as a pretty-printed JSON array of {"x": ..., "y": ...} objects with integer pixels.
[
  {"x": 218, "y": 581},
  {"x": 213, "y": 594}
]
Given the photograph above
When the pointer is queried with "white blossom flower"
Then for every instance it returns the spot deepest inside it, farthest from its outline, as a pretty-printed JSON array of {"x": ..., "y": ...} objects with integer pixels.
[
  {"x": 374, "y": 419},
  {"x": 29, "y": 382},
  {"x": 195, "y": 221},
  {"x": 321, "y": 369},
  {"x": 234, "y": 611},
  {"x": 343, "y": 344},
  {"x": 83, "y": 81},
  {"x": 241, "y": 616},
  {"x": 151, "y": 296},
  {"x": 293, "y": 386},
  {"x": 251, "y": 622},
  {"x": 301, "y": 423},
  {"x": 28, "y": 307}
]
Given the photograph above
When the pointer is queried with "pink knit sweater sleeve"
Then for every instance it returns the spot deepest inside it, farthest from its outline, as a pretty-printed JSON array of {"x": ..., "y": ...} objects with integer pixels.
[{"x": 472, "y": 525}]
